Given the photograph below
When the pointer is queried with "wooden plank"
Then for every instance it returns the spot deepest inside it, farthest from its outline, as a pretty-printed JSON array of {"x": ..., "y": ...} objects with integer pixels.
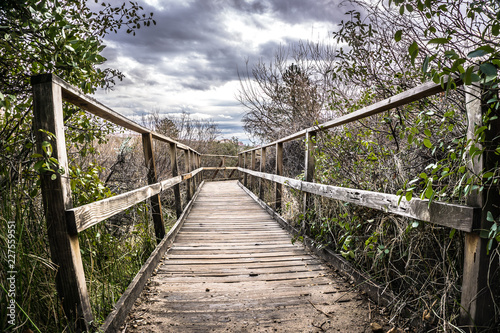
[
  {"x": 206, "y": 282},
  {"x": 425, "y": 90},
  {"x": 364, "y": 282},
  {"x": 262, "y": 169},
  {"x": 310, "y": 164},
  {"x": 441, "y": 213},
  {"x": 90, "y": 214},
  {"x": 187, "y": 164},
  {"x": 253, "y": 180},
  {"x": 56, "y": 198},
  {"x": 278, "y": 188},
  {"x": 477, "y": 305},
  {"x": 192, "y": 160},
  {"x": 214, "y": 155},
  {"x": 122, "y": 308},
  {"x": 175, "y": 173},
  {"x": 245, "y": 165},
  {"x": 147, "y": 145}
]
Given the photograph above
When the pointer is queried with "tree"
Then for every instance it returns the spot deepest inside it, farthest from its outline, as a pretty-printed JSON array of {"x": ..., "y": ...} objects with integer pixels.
[
  {"x": 282, "y": 98},
  {"x": 64, "y": 37}
]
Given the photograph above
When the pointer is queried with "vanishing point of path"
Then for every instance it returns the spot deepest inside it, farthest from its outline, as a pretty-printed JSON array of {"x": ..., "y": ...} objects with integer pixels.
[{"x": 233, "y": 269}]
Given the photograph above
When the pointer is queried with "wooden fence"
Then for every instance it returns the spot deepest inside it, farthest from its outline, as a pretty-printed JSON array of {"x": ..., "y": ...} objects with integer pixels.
[
  {"x": 476, "y": 301},
  {"x": 64, "y": 221}
]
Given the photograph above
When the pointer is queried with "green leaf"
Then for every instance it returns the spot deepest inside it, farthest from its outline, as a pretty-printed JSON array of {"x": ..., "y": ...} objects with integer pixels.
[
  {"x": 409, "y": 195},
  {"x": 53, "y": 177},
  {"x": 452, "y": 233},
  {"x": 398, "y": 35},
  {"x": 481, "y": 51},
  {"x": 429, "y": 191},
  {"x": 427, "y": 143},
  {"x": 425, "y": 65},
  {"x": 489, "y": 217},
  {"x": 488, "y": 69}
]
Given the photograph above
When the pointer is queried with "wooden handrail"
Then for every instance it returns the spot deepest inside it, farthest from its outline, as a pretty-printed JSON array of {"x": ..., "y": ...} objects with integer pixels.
[
  {"x": 89, "y": 104},
  {"x": 441, "y": 213},
  {"x": 412, "y": 95},
  {"x": 65, "y": 222},
  {"x": 476, "y": 303}
]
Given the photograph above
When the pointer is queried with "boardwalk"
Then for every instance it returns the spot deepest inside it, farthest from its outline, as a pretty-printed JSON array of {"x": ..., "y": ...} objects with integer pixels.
[{"x": 232, "y": 268}]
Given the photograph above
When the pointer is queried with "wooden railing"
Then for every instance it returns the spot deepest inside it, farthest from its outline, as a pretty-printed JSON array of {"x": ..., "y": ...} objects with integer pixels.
[
  {"x": 476, "y": 302},
  {"x": 222, "y": 167},
  {"x": 64, "y": 221}
]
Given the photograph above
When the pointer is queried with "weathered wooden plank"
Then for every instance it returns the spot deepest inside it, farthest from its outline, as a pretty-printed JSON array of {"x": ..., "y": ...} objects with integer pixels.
[
  {"x": 88, "y": 215},
  {"x": 187, "y": 165},
  {"x": 175, "y": 172},
  {"x": 116, "y": 318},
  {"x": 477, "y": 305},
  {"x": 262, "y": 169},
  {"x": 245, "y": 165},
  {"x": 278, "y": 171},
  {"x": 147, "y": 145},
  {"x": 56, "y": 198},
  {"x": 253, "y": 180},
  {"x": 445, "y": 214},
  {"x": 310, "y": 165},
  {"x": 364, "y": 282},
  {"x": 213, "y": 155}
]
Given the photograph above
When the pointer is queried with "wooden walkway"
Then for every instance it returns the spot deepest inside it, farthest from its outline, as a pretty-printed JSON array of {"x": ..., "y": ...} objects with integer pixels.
[{"x": 232, "y": 268}]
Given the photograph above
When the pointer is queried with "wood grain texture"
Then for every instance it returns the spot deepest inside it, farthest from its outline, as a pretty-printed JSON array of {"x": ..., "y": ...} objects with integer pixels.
[
  {"x": 278, "y": 171},
  {"x": 88, "y": 215},
  {"x": 262, "y": 169},
  {"x": 210, "y": 282},
  {"x": 310, "y": 166},
  {"x": 378, "y": 293},
  {"x": 147, "y": 145},
  {"x": 477, "y": 305},
  {"x": 56, "y": 198},
  {"x": 175, "y": 172},
  {"x": 116, "y": 318},
  {"x": 445, "y": 214}
]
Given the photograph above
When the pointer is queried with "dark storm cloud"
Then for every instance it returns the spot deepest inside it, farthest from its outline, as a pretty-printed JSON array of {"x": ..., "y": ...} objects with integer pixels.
[
  {"x": 196, "y": 31},
  {"x": 195, "y": 47}
]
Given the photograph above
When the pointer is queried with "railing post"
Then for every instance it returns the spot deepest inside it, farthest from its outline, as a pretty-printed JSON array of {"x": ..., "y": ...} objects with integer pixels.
[
  {"x": 245, "y": 175},
  {"x": 224, "y": 166},
  {"x": 240, "y": 165},
  {"x": 278, "y": 171},
  {"x": 187, "y": 162},
  {"x": 147, "y": 145},
  {"x": 477, "y": 305},
  {"x": 193, "y": 167},
  {"x": 56, "y": 197},
  {"x": 175, "y": 173},
  {"x": 262, "y": 169},
  {"x": 198, "y": 165},
  {"x": 253, "y": 183},
  {"x": 309, "y": 174}
]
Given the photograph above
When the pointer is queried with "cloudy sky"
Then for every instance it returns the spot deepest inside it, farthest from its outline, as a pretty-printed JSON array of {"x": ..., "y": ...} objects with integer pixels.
[{"x": 190, "y": 59}]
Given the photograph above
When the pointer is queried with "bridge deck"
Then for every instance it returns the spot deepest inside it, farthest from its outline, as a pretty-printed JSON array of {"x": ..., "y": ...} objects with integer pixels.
[{"x": 232, "y": 268}]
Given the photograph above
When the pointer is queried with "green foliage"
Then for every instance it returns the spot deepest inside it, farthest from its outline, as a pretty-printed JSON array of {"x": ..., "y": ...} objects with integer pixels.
[{"x": 64, "y": 37}]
